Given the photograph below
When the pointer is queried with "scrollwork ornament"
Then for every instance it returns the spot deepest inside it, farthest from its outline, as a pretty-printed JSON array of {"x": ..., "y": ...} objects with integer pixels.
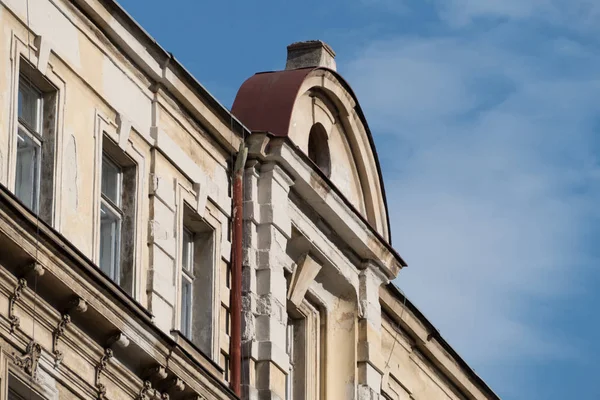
[
  {"x": 101, "y": 367},
  {"x": 28, "y": 362},
  {"x": 56, "y": 335},
  {"x": 12, "y": 301}
]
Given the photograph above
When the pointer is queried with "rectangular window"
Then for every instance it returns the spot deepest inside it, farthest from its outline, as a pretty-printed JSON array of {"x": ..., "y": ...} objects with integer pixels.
[
  {"x": 303, "y": 347},
  {"x": 19, "y": 389},
  {"x": 29, "y": 144},
  {"x": 111, "y": 217},
  {"x": 225, "y": 364},
  {"x": 187, "y": 281},
  {"x": 35, "y": 141},
  {"x": 289, "y": 349},
  {"x": 197, "y": 320},
  {"x": 117, "y": 233}
]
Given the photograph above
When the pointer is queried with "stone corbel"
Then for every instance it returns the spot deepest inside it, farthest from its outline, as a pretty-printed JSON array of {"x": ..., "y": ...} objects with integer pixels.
[
  {"x": 44, "y": 47},
  {"x": 101, "y": 367},
  {"x": 201, "y": 197},
  {"x": 123, "y": 130},
  {"x": 175, "y": 385},
  {"x": 305, "y": 272},
  {"x": 28, "y": 362},
  {"x": 119, "y": 340},
  {"x": 157, "y": 373}
]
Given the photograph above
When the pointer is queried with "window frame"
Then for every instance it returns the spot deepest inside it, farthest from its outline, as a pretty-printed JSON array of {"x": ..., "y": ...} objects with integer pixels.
[
  {"x": 290, "y": 333},
  {"x": 202, "y": 233},
  {"x": 307, "y": 346},
  {"x": 47, "y": 81},
  {"x": 117, "y": 212},
  {"x": 187, "y": 278}
]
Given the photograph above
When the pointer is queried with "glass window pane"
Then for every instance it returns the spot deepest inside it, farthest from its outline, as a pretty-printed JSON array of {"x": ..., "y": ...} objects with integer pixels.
[
  {"x": 28, "y": 170},
  {"x": 29, "y": 105},
  {"x": 111, "y": 181},
  {"x": 186, "y": 308},
  {"x": 110, "y": 240},
  {"x": 188, "y": 251}
]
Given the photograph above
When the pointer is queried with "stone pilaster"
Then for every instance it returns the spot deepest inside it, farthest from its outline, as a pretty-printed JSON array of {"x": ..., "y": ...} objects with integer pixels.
[
  {"x": 267, "y": 230},
  {"x": 162, "y": 244},
  {"x": 370, "y": 360}
]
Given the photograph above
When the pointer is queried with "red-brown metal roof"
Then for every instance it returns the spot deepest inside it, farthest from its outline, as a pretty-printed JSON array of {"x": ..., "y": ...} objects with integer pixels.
[{"x": 266, "y": 100}]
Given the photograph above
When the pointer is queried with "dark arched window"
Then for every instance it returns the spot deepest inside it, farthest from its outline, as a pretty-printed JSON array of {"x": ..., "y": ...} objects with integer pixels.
[{"x": 318, "y": 148}]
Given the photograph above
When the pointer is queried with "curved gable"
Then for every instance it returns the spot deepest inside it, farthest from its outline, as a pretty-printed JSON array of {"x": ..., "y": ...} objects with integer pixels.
[{"x": 290, "y": 103}]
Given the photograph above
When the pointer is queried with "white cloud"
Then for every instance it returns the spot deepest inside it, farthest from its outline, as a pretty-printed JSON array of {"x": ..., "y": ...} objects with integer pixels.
[
  {"x": 497, "y": 178},
  {"x": 461, "y": 12}
]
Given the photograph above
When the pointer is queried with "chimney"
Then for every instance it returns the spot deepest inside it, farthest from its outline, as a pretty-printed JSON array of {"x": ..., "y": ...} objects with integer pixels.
[{"x": 312, "y": 53}]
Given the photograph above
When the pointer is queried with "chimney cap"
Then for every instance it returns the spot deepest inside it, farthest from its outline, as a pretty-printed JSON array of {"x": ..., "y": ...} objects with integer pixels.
[
  {"x": 310, "y": 53},
  {"x": 311, "y": 44}
]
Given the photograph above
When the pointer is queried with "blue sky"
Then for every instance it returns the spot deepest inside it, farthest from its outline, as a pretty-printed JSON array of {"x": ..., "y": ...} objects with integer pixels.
[{"x": 485, "y": 115}]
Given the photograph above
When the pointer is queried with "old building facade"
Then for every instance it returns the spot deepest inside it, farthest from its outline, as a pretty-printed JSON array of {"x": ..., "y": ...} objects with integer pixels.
[{"x": 117, "y": 242}]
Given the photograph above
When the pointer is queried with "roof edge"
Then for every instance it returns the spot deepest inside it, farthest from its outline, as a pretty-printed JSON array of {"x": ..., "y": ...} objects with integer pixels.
[
  {"x": 399, "y": 295},
  {"x": 160, "y": 55}
]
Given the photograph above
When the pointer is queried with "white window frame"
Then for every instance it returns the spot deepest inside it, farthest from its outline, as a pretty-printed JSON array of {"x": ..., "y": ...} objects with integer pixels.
[
  {"x": 115, "y": 209},
  {"x": 187, "y": 278},
  {"x": 289, "y": 349},
  {"x": 34, "y": 134}
]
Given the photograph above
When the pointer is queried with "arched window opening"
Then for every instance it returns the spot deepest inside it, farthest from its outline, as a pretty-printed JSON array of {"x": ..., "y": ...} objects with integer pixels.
[{"x": 318, "y": 148}]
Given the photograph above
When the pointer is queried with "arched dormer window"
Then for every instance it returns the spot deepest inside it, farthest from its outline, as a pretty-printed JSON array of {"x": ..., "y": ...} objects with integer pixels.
[{"x": 318, "y": 148}]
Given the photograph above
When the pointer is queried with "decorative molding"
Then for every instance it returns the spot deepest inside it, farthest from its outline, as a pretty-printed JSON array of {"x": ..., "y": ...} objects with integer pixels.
[
  {"x": 56, "y": 335},
  {"x": 101, "y": 367},
  {"x": 12, "y": 301},
  {"x": 28, "y": 362}
]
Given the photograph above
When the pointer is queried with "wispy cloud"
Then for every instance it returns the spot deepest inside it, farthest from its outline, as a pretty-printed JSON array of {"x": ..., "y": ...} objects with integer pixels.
[
  {"x": 579, "y": 14},
  {"x": 496, "y": 174}
]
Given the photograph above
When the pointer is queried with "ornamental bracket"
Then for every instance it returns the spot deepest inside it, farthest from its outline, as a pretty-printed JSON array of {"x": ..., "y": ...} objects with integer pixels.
[
  {"x": 101, "y": 367},
  {"x": 56, "y": 335},
  {"x": 12, "y": 301}
]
